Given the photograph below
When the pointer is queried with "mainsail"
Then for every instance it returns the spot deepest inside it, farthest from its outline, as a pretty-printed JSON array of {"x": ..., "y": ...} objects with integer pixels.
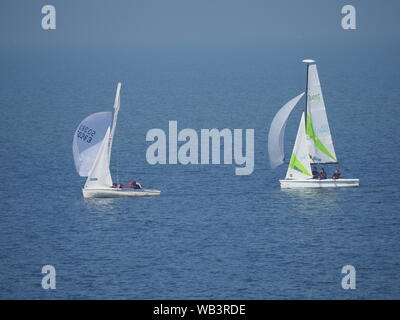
[
  {"x": 299, "y": 166},
  {"x": 277, "y": 132},
  {"x": 88, "y": 139},
  {"x": 321, "y": 148}
]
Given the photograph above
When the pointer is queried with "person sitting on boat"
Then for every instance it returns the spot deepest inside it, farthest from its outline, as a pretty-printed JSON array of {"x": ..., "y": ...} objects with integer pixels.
[
  {"x": 135, "y": 184},
  {"x": 336, "y": 174},
  {"x": 315, "y": 173},
  {"x": 118, "y": 185},
  {"x": 322, "y": 174}
]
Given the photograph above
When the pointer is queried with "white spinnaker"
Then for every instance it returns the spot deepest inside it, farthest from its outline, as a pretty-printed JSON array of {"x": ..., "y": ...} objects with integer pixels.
[
  {"x": 100, "y": 177},
  {"x": 299, "y": 166},
  {"x": 319, "y": 135},
  {"x": 117, "y": 104},
  {"x": 277, "y": 132},
  {"x": 87, "y": 140}
]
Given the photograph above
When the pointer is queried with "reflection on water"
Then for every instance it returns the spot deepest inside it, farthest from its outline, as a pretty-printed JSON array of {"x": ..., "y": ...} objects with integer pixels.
[
  {"x": 313, "y": 201},
  {"x": 116, "y": 209},
  {"x": 99, "y": 205}
]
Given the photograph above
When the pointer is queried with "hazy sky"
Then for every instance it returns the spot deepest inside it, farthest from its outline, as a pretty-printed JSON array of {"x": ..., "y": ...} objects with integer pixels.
[{"x": 196, "y": 23}]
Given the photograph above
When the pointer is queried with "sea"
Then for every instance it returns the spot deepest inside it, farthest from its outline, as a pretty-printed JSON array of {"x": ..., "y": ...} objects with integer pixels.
[{"x": 211, "y": 234}]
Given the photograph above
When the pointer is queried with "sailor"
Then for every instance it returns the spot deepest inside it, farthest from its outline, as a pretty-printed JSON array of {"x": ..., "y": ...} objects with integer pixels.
[
  {"x": 322, "y": 174},
  {"x": 118, "y": 185},
  {"x": 336, "y": 174},
  {"x": 314, "y": 172},
  {"x": 135, "y": 184}
]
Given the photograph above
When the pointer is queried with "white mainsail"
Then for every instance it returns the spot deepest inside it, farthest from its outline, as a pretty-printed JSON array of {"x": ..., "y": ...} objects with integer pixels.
[
  {"x": 88, "y": 139},
  {"x": 277, "y": 132},
  {"x": 321, "y": 148},
  {"x": 299, "y": 166}
]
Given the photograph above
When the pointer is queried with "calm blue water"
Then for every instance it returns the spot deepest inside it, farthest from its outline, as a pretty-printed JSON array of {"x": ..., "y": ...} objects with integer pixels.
[{"x": 210, "y": 234}]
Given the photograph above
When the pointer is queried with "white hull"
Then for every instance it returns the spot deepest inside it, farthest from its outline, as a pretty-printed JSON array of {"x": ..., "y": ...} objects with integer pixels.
[
  {"x": 119, "y": 193},
  {"x": 315, "y": 183}
]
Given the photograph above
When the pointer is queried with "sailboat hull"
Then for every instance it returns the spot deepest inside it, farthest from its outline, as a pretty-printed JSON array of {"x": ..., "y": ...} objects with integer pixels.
[
  {"x": 119, "y": 193},
  {"x": 315, "y": 183}
]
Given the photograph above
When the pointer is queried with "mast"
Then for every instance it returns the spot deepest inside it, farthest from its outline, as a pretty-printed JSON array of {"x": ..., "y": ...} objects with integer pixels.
[
  {"x": 305, "y": 108},
  {"x": 308, "y": 62},
  {"x": 117, "y": 103}
]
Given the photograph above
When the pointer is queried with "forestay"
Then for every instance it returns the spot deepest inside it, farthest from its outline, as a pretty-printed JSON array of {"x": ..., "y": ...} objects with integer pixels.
[
  {"x": 277, "y": 131},
  {"x": 321, "y": 148},
  {"x": 87, "y": 140}
]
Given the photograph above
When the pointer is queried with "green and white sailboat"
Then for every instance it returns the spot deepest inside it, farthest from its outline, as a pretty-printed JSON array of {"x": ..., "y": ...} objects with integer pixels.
[{"x": 313, "y": 143}]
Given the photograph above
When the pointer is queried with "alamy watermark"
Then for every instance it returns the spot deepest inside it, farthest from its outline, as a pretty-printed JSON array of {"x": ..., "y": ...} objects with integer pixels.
[
  {"x": 49, "y": 20},
  {"x": 49, "y": 280},
  {"x": 195, "y": 150},
  {"x": 349, "y": 20},
  {"x": 349, "y": 280}
]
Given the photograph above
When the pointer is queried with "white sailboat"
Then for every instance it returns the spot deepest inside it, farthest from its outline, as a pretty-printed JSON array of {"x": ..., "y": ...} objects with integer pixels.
[
  {"x": 313, "y": 143},
  {"x": 92, "y": 146}
]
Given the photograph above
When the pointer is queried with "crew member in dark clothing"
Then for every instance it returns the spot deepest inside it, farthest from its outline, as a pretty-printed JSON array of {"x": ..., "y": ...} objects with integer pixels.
[
  {"x": 322, "y": 174},
  {"x": 135, "y": 184},
  {"x": 314, "y": 172},
  {"x": 118, "y": 185},
  {"x": 336, "y": 174}
]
